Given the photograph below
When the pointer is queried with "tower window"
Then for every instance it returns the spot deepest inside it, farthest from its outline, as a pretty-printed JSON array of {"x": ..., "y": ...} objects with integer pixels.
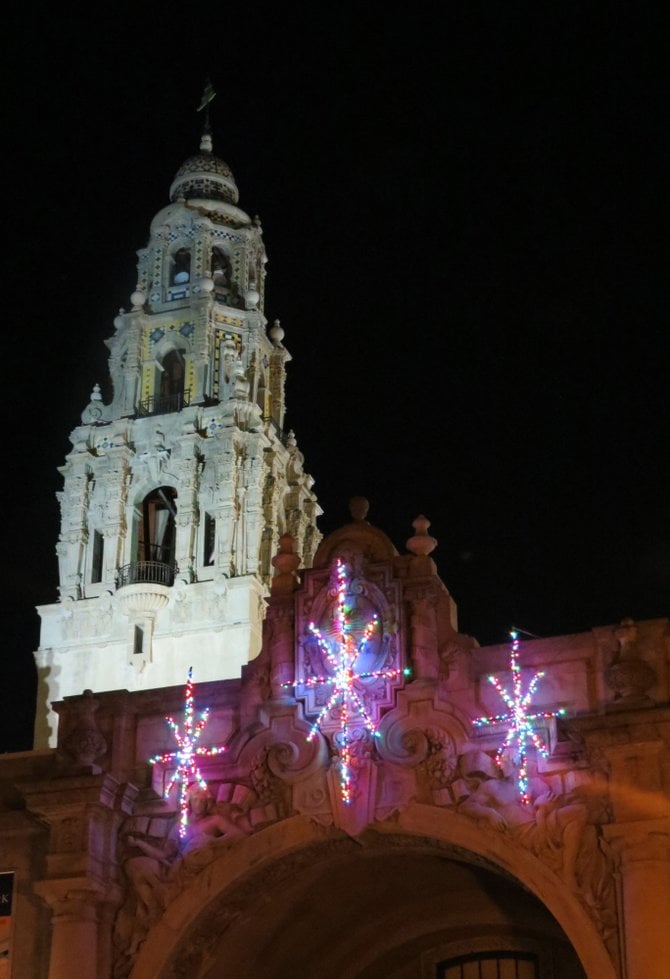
[
  {"x": 138, "y": 640},
  {"x": 172, "y": 375},
  {"x": 156, "y": 538},
  {"x": 97, "y": 554},
  {"x": 209, "y": 539},
  {"x": 169, "y": 394},
  {"x": 220, "y": 267}
]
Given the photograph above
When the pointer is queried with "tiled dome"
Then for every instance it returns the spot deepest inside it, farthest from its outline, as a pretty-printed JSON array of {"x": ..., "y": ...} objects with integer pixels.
[{"x": 204, "y": 176}]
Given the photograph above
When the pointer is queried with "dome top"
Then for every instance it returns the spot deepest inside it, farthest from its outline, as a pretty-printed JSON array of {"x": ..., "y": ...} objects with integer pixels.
[
  {"x": 357, "y": 537},
  {"x": 205, "y": 177}
]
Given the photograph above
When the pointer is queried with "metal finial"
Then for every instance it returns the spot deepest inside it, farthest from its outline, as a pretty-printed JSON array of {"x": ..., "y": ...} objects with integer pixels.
[{"x": 208, "y": 95}]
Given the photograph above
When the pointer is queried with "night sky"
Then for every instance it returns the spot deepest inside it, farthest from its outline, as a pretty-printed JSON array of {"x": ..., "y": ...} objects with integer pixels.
[{"x": 467, "y": 251}]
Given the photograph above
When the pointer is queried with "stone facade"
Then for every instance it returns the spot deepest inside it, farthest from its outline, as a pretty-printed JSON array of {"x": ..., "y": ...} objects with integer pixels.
[
  {"x": 380, "y": 835},
  {"x": 436, "y": 836}
]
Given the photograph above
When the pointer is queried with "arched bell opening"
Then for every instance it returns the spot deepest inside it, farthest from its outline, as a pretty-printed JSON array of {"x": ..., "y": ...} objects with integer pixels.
[
  {"x": 155, "y": 540},
  {"x": 167, "y": 387},
  {"x": 156, "y": 535},
  {"x": 180, "y": 267},
  {"x": 221, "y": 272},
  {"x": 179, "y": 271},
  {"x": 173, "y": 373}
]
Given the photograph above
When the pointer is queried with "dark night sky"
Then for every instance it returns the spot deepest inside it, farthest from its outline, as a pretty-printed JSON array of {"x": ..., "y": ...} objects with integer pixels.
[{"x": 466, "y": 250}]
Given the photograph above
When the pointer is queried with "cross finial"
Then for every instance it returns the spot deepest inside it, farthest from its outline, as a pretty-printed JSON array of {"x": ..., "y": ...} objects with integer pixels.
[{"x": 208, "y": 95}]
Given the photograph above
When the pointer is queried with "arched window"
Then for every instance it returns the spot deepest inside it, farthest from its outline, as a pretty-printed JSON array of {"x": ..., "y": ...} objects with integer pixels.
[
  {"x": 173, "y": 371},
  {"x": 220, "y": 267},
  {"x": 490, "y": 965},
  {"x": 181, "y": 267},
  {"x": 156, "y": 534}
]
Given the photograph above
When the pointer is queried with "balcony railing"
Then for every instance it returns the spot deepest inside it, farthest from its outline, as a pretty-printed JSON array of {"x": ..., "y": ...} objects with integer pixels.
[
  {"x": 146, "y": 573},
  {"x": 163, "y": 405}
]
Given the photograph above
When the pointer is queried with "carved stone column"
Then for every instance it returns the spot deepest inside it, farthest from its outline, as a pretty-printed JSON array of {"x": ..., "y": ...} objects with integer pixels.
[
  {"x": 80, "y": 886},
  {"x": 112, "y": 491},
  {"x": 630, "y": 747},
  {"x": 644, "y": 851},
  {"x": 74, "y": 927},
  {"x": 187, "y": 510},
  {"x": 132, "y": 371},
  {"x": 279, "y": 623}
]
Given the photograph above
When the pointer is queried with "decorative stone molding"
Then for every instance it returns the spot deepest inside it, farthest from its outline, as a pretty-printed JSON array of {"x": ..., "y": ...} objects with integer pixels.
[
  {"x": 84, "y": 744},
  {"x": 628, "y": 675}
]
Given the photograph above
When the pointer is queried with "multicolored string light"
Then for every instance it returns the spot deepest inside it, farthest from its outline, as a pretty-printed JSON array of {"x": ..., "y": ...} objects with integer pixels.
[
  {"x": 187, "y": 753},
  {"x": 520, "y": 720},
  {"x": 341, "y": 654}
]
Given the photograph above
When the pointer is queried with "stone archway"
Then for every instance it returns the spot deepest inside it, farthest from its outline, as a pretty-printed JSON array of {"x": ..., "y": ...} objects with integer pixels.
[{"x": 300, "y": 899}]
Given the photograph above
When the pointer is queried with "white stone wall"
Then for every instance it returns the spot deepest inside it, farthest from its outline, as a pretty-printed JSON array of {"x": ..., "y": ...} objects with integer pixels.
[{"x": 213, "y": 626}]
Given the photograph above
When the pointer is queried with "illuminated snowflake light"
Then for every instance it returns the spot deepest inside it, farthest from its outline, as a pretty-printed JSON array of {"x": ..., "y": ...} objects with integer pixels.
[
  {"x": 519, "y": 718},
  {"x": 186, "y": 755},
  {"x": 341, "y": 654}
]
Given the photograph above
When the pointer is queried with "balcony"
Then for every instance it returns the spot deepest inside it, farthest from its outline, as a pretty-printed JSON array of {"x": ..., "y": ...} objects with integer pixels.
[
  {"x": 143, "y": 587},
  {"x": 146, "y": 573},
  {"x": 163, "y": 405}
]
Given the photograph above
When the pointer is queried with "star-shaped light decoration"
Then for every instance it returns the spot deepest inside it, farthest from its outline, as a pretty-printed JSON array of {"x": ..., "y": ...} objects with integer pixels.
[
  {"x": 186, "y": 755},
  {"x": 519, "y": 718},
  {"x": 341, "y": 653}
]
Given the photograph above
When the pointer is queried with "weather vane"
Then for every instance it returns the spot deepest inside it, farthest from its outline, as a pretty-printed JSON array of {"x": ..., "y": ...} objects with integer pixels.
[{"x": 208, "y": 96}]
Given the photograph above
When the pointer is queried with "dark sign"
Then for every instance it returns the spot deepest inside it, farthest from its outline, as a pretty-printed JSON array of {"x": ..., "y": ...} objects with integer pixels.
[
  {"x": 6, "y": 888},
  {"x": 6, "y": 893}
]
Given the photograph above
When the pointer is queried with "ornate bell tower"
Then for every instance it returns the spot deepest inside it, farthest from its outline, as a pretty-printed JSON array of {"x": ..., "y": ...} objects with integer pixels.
[{"x": 177, "y": 491}]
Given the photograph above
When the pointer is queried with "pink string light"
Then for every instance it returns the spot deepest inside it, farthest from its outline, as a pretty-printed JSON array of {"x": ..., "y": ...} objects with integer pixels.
[
  {"x": 187, "y": 754},
  {"x": 520, "y": 720},
  {"x": 341, "y": 654}
]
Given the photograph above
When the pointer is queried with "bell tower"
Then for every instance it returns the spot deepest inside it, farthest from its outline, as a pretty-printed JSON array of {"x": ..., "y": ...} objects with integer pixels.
[{"x": 176, "y": 492}]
